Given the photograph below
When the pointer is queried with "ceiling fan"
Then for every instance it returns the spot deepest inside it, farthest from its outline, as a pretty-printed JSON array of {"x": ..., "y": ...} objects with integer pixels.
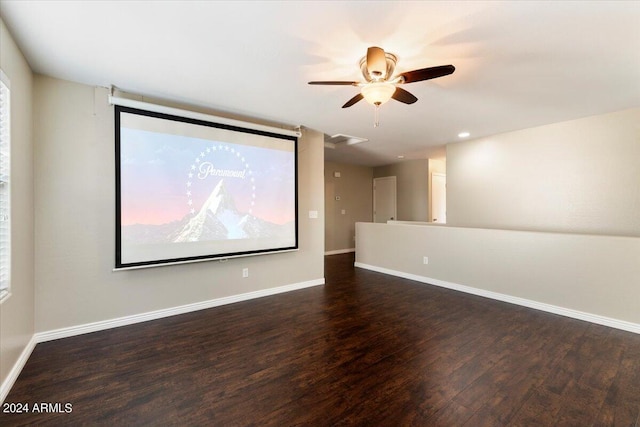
[{"x": 380, "y": 84}]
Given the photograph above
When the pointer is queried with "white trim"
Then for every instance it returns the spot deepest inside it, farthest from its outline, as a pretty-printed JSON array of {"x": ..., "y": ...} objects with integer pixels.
[
  {"x": 124, "y": 102},
  {"x": 562, "y": 311},
  {"x": 17, "y": 368},
  {"x": 158, "y": 314},
  {"x": 4, "y": 295},
  {"x": 5, "y": 79},
  {"x": 340, "y": 251},
  {"x": 5, "y": 179},
  {"x": 71, "y": 331}
]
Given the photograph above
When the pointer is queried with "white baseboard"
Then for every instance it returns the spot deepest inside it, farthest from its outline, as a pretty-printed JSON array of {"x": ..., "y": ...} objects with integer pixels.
[
  {"x": 562, "y": 311},
  {"x": 17, "y": 368},
  {"x": 137, "y": 318},
  {"x": 340, "y": 251},
  {"x": 158, "y": 314}
]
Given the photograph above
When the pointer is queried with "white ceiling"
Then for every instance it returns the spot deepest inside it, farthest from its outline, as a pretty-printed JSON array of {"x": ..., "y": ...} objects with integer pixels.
[{"x": 518, "y": 64}]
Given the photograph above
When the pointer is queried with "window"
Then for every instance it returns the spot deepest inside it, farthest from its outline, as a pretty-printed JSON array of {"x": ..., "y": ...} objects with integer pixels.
[{"x": 5, "y": 196}]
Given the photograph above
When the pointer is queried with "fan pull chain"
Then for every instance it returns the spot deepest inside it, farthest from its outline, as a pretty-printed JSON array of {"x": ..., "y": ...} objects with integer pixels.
[{"x": 376, "y": 119}]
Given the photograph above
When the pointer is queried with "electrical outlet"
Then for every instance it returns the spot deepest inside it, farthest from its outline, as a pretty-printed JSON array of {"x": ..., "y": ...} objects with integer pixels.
[
  {"x": 245, "y": 272},
  {"x": 425, "y": 260}
]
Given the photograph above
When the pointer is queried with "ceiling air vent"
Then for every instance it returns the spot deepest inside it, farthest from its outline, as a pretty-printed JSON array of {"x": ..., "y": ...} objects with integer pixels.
[{"x": 341, "y": 139}]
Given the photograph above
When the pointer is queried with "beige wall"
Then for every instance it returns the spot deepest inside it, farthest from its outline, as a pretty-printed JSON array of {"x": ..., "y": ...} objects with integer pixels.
[
  {"x": 17, "y": 312},
  {"x": 75, "y": 198},
  {"x": 354, "y": 187},
  {"x": 596, "y": 275},
  {"x": 412, "y": 188},
  {"x": 580, "y": 176}
]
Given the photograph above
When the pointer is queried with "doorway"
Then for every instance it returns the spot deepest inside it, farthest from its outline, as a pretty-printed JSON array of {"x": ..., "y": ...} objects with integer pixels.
[
  {"x": 438, "y": 198},
  {"x": 384, "y": 199}
]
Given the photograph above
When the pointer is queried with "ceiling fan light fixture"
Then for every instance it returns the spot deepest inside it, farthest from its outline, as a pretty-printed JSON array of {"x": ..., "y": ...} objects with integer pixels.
[
  {"x": 378, "y": 93},
  {"x": 379, "y": 85}
]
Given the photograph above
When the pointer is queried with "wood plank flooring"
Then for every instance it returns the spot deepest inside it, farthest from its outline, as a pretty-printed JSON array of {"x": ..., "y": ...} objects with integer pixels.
[{"x": 366, "y": 349}]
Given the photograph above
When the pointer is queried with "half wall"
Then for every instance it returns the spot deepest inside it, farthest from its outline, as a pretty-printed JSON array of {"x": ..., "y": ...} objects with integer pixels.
[{"x": 593, "y": 278}]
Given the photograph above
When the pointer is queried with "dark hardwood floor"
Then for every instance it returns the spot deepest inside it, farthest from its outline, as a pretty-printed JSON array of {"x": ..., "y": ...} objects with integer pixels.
[{"x": 365, "y": 349}]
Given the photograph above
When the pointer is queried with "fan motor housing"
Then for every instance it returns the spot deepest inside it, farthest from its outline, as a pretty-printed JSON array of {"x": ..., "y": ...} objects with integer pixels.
[{"x": 391, "y": 60}]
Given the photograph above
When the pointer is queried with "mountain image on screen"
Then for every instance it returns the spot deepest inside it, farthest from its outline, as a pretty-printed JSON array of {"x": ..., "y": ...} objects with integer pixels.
[{"x": 217, "y": 219}]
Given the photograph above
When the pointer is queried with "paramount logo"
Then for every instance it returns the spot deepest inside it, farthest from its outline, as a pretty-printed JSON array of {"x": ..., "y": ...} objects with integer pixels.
[{"x": 207, "y": 169}]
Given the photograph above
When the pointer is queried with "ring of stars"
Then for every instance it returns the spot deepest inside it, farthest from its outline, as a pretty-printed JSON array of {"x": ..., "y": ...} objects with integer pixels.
[{"x": 215, "y": 149}]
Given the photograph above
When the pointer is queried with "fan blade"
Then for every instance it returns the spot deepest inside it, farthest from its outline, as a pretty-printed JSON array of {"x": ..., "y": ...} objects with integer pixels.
[
  {"x": 427, "y": 73},
  {"x": 403, "y": 96},
  {"x": 376, "y": 62},
  {"x": 335, "y": 83},
  {"x": 353, "y": 100}
]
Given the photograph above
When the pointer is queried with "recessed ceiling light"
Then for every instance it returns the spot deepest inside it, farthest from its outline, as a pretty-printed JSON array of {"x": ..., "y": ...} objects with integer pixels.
[
  {"x": 463, "y": 134},
  {"x": 401, "y": 157}
]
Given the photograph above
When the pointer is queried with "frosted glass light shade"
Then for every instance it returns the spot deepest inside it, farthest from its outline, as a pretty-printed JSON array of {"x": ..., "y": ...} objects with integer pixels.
[{"x": 378, "y": 93}]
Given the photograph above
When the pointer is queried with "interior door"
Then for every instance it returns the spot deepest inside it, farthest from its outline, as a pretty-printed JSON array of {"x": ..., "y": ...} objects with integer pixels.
[
  {"x": 439, "y": 198},
  {"x": 384, "y": 199}
]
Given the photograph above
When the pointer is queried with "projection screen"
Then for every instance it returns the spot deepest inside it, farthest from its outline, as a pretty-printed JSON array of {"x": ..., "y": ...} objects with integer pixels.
[{"x": 193, "y": 190}]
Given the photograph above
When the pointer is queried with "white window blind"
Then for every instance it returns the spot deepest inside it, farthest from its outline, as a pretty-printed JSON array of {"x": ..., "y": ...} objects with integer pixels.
[{"x": 5, "y": 196}]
